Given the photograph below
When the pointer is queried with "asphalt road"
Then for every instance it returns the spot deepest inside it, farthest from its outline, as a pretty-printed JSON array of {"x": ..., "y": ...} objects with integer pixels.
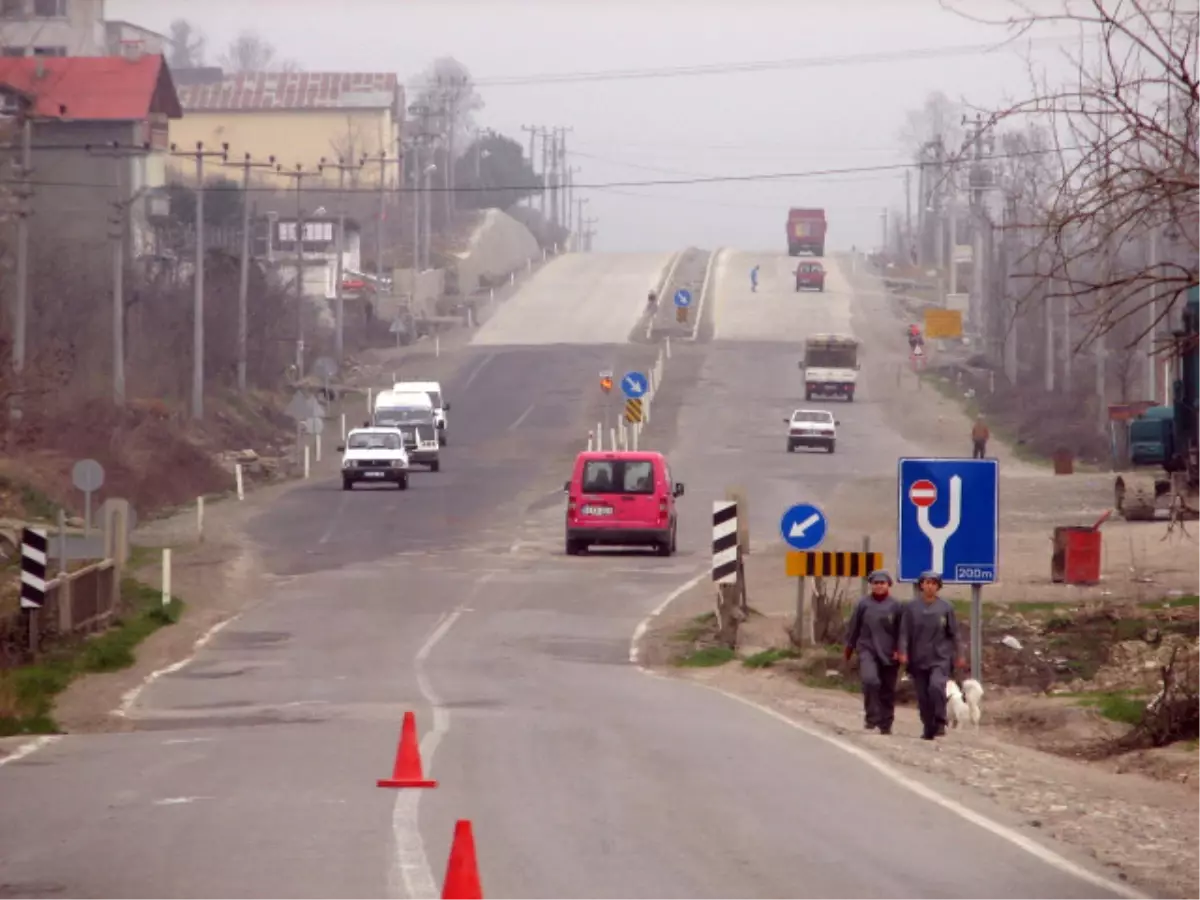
[{"x": 252, "y": 770}]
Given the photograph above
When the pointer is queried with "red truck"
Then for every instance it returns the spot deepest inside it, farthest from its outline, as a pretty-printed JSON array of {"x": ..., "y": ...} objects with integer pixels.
[{"x": 806, "y": 231}]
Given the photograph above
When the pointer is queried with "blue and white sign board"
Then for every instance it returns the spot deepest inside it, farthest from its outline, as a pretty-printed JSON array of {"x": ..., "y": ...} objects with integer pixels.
[
  {"x": 634, "y": 385},
  {"x": 803, "y": 527},
  {"x": 949, "y": 519},
  {"x": 683, "y": 297}
]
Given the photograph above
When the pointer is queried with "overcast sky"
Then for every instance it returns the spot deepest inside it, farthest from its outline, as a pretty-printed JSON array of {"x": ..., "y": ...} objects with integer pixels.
[{"x": 790, "y": 120}]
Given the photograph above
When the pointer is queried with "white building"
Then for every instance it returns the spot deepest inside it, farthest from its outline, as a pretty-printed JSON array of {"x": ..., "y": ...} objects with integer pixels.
[{"x": 69, "y": 28}]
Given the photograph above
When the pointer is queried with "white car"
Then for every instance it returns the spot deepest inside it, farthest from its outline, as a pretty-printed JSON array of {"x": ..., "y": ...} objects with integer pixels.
[
  {"x": 374, "y": 455},
  {"x": 812, "y": 428}
]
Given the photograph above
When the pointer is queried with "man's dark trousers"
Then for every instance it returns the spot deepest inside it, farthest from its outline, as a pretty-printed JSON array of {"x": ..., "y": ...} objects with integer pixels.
[
  {"x": 879, "y": 690},
  {"x": 980, "y": 450},
  {"x": 931, "y": 697}
]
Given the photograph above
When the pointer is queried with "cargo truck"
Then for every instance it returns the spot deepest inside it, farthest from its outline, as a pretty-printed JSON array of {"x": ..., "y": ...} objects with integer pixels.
[
  {"x": 806, "y": 232},
  {"x": 830, "y": 366}
]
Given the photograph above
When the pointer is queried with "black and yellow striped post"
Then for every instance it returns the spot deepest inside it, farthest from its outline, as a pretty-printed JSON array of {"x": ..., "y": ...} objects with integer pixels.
[
  {"x": 805, "y": 564},
  {"x": 634, "y": 411}
]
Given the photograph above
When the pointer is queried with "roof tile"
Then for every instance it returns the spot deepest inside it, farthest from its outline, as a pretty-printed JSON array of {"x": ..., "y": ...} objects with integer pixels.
[{"x": 292, "y": 90}]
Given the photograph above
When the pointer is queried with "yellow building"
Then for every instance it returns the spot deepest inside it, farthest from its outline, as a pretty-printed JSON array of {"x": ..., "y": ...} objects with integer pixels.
[{"x": 297, "y": 117}]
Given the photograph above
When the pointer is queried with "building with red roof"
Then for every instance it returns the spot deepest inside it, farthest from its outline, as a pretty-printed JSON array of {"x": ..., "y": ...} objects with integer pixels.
[{"x": 99, "y": 137}]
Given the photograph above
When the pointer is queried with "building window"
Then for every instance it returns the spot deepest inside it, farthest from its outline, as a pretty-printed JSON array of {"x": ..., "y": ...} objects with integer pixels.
[
  {"x": 49, "y": 51},
  {"x": 12, "y": 9},
  {"x": 12, "y": 51},
  {"x": 50, "y": 9}
]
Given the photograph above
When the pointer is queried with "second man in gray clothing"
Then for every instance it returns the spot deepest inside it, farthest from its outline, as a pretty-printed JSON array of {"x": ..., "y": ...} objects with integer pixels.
[
  {"x": 929, "y": 647},
  {"x": 873, "y": 632}
]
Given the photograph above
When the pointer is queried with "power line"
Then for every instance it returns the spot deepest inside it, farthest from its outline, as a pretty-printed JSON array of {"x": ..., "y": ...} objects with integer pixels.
[
  {"x": 658, "y": 182},
  {"x": 766, "y": 65}
]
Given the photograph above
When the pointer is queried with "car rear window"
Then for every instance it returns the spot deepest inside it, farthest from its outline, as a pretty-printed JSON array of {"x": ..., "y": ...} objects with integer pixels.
[{"x": 618, "y": 476}]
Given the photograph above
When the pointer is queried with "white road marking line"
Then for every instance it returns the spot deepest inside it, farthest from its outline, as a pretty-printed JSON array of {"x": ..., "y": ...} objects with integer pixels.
[
  {"x": 333, "y": 521},
  {"x": 192, "y": 740},
  {"x": 1032, "y": 847},
  {"x": 130, "y": 697},
  {"x": 712, "y": 258},
  {"x": 178, "y": 801},
  {"x": 634, "y": 649},
  {"x": 666, "y": 283},
  {"x": 411, "y": 875},
  {"x": 522, "y": 417},
  {"x": 30, "y": 748},
  {"x": 475, "y": 372}
]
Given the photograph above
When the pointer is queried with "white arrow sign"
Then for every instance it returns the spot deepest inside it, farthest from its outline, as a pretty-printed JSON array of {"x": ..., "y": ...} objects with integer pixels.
[
  {"x": 798, "y": 528},
  {"x": 939, "y": 535}
]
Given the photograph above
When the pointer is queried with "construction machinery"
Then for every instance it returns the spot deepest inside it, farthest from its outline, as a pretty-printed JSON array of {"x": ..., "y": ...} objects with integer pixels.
[{"x": 1163, "y": 439}]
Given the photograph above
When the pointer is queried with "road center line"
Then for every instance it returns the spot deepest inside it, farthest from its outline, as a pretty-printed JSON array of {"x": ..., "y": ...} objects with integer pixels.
[
  {"x": 522, "y": 417},
  {"x": 475, "y": 372},
  {"x": 411, "y": 875},
  {"x": 333, "y": 521}
]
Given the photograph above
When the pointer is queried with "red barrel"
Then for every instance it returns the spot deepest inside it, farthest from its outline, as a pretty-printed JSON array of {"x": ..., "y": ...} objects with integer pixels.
[{"x": 1077, "y": 553}]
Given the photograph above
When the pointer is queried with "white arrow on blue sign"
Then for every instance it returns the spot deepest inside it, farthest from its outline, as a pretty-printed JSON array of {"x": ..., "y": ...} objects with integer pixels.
[
  {"x": 949, "y": 519},
  {"x": 683, "y": 297},
  {"x": 803, "y": 527},
  {"x": 634, "y": 385}
]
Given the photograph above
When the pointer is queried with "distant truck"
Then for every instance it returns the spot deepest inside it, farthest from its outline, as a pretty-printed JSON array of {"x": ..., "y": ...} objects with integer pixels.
[
  {"x": 806, "y": 231},
  {"x": 830, "y": 366}
]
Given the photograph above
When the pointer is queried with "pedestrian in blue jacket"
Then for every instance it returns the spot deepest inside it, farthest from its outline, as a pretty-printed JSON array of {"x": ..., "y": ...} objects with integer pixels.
[{"x": 754, "y": 278}]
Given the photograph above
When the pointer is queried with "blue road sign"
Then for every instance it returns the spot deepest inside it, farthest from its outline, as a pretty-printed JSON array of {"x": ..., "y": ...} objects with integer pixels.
[
  {"x": 635, "y": 385},
  {"x": 683, "y": 297},
  {"x": 803, "y": 527},
  {"x": 949, "y": 519}
]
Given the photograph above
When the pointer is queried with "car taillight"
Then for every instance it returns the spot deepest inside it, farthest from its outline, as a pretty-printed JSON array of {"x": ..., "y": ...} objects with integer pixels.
[
  {"x": 662, "y": 507},
  {"x": 571, "y": 506}
]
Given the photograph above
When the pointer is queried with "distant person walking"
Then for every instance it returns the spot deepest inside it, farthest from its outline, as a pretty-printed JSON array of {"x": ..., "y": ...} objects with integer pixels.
[
  {"x": 754, "y": 279},
  {"x": 979, "y": 438},
  {"x": 873, "y": 633},
  {"x": 929, "y": 648}
]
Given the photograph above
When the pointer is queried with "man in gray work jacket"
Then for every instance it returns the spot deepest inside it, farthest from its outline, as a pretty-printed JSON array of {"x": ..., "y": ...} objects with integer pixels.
[
  {"x": 929, "y": 647},
  {"x": 873, "y": 631}
]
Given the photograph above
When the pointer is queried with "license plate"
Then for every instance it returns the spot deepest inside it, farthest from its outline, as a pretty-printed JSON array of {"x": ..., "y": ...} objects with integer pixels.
[
  {"x": 375, "y": 474},
  {"x": 597, "y": 510}
]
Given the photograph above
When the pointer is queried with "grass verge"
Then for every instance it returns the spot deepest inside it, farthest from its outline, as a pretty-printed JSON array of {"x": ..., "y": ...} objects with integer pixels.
[
  {"x": 764, "y": 659},
  {"x": 27, "y": 693},
  {"x": 706, "y": 658},
  {"x": 1117, "y": 706}
]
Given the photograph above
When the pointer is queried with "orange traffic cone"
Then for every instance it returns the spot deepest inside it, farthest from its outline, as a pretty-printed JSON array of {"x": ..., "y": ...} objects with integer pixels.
[
  {"x": 462, "y": 869},
  {"x": 407, "y": 773}
]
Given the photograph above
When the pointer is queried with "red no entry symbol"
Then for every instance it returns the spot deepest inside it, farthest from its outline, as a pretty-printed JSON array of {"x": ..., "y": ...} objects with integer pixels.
[{"x": 922, "y": 492}]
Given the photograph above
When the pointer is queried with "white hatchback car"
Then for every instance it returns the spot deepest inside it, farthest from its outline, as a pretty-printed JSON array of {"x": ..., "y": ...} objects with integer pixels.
[
  {"x": 374, "y": 455},
  {"x": 812, "y": 428}
]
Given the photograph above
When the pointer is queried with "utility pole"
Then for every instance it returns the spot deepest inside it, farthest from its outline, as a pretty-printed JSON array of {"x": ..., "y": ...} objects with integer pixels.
[
  {"x": 117, "y": 233},
  {"x": 562, "y": 174},
  {"x": 383, "y": 161},
  {"x": 451, "y": 90},
  {"x": 939, "y": 221},
  {"x": 883, "y": 218},
  {"x": 580, "y": 224},
  {"x": 199, "y": 155},
  {"x": 975, "y": 299},
  {"x": 588, "y": 234},
  {"x": 298, "y": 174},
  {"x": 244, "y": 277},
  {"x": 908, "y": 226},
  {"x": 533, "y": 133},
  {"x": 545, "y": 133},
  {"x": 24, "y": 193},
  {"x": 339, "y": 337}
]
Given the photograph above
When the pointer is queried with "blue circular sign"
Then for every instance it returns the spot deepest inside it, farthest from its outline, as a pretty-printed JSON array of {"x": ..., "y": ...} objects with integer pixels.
[
  {"x": 635, "y": 385},
  {"x": 803, "y": 527},
  {"x": 683, "y": 297}
]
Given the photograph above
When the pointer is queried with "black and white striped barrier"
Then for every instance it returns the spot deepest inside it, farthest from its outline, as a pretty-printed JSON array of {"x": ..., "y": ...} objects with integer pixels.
[
  {"x": 34, "y": 547},
  {"x": 725, "y": 542}
]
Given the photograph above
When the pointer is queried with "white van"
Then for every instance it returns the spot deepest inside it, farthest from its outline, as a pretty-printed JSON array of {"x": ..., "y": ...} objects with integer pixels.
[
  {"x": 434, "y": 391},
  {"x": 413, "y": 414}
]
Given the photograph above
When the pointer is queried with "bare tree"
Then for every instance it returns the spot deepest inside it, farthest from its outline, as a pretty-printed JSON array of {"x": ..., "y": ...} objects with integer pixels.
[
  {"x": 446, "y": 86},
  {"x": 187, "y": 45},
  {"x": 251, "y": 52},
  {"x": 939, "y": 118},
  {"x": 1124, "y": 155}
]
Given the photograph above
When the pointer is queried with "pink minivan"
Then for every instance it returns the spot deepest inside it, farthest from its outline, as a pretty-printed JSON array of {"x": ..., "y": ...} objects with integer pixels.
[{"x": 621, "y": 499}]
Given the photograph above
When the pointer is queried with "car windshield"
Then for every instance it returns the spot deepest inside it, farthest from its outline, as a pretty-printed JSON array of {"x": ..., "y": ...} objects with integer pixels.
[
  {"x": 401, "y": 415},
  {"x": 618, "y": 476},
  {"x": 804, "y": 416},
  {"x": 374, "y": 441},
  {"x": 810, "y": 267}
]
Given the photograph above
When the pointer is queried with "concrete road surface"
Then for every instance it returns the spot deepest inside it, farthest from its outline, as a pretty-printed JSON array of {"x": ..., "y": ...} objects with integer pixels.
[
  {"x": 579, "y": 298},
  {"x": 251, "y": 770}
]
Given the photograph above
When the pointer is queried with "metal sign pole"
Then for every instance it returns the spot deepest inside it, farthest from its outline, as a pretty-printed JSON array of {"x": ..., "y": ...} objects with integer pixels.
[{"x": 977, "y": 632}]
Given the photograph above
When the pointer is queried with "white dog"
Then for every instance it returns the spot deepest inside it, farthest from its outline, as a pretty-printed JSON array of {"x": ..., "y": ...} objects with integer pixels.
[
  {"x": 973, "y": 694},
  {"x": 963, "y": 704},
  {"x": 957, "y": 710}
]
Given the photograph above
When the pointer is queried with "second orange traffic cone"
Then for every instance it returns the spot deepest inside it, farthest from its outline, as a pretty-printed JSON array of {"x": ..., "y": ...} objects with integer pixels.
[
  {"x": 462, "y": 869},
  {"x": 407, "y": 772}
]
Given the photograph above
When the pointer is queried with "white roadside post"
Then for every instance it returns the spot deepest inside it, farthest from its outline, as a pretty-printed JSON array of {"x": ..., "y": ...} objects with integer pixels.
[
  {"x": 166, "y": 576},
  {"x": 437, "y": 345},
  {"x": 667, "y": 344},
  {"x": 368, "y": 403},
  {"x": 343, "y": 428},
  {"x": 612, "y": 438},
  {"x": 599, "y": 436},
  {"x": 590, "y": 442},
  {"x": 637, "y": 427},
  {"x": 491, "y": 295},
  {"x": 200, "y": 517},
  {"x": 317, "y": 439},
  {"x": 241, "y": 484},
  {"x": 306, "y": 460}
]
